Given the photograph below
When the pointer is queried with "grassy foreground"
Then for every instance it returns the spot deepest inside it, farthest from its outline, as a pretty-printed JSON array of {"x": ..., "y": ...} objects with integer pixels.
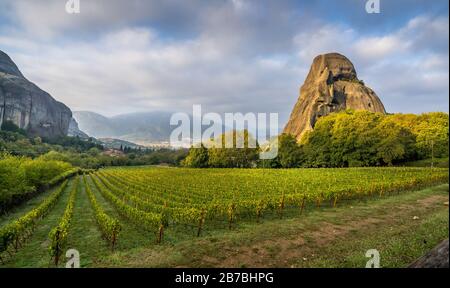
[
  {"x": 401, "y": 227},
  {"x": 333, "y": 237}
]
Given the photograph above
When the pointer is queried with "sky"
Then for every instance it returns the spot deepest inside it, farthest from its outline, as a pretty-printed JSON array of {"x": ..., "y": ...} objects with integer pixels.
[{"x": 122, "y": 56}]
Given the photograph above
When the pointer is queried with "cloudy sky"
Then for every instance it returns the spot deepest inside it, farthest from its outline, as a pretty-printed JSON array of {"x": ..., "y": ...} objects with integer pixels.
[{"x": 120, "y": 56}]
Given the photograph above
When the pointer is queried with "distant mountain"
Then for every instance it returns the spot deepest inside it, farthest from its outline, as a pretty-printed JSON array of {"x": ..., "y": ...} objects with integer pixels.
[
  {"x": 144, "y": 128},
  {"x": 117, "y": 143},
  {"x": 94, "y": 124}
]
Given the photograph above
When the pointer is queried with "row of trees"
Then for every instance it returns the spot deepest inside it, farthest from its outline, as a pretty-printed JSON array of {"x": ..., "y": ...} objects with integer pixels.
[
  {"x": 84, "y": 153},
  {"x": 94, "y": 158},
  {"x": 218, "y": 157},
  {"x": 345, "y": 139},
  {"x": 363, "y": 138}
]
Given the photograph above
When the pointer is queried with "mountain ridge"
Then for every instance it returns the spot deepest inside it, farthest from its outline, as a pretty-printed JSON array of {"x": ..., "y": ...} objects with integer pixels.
[{"x": 143, "y": 128}]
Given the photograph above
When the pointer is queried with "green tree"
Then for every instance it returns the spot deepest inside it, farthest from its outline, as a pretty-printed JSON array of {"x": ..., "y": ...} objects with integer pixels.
[
  {"x": 197, "y": 157},
  {"x": 316, "y": 144},
  {"x": 233, "y": 150},
  {"x": 289, "y": 152},
  {"x": 94, "y": 151},
  {"x": 430, "y": 130},
  {"x": 362, "y": 138},
  {"x": 395, "y": 142},
  {"x": 11, "y": 127}
]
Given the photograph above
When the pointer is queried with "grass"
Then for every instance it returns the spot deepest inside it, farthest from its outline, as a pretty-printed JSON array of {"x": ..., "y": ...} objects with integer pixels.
[
  {"x": 34, "y": 252},
  {"x": 325, "y": 237},
  {"x": 25, "y": 207},
  {"x": 398, "y": 246},
  {"x": 83, "y": 234},
  {"x": 437, "y": 162},
  {"x": 335, "y": 237}
]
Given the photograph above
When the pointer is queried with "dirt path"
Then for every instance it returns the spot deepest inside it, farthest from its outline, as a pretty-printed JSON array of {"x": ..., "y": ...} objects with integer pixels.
[{"x": 257, "y": 254}]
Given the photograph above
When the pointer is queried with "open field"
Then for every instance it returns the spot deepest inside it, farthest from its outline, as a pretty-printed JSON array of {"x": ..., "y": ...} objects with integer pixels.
[{"x": 166, "y": 217}]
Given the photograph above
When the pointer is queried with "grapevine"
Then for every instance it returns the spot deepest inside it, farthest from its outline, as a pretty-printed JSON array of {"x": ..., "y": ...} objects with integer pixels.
[{"x": 58, "y": 235}]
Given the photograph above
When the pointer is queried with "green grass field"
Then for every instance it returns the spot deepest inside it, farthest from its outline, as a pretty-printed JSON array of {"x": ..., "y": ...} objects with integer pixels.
[{"x": 399, "y": 211}]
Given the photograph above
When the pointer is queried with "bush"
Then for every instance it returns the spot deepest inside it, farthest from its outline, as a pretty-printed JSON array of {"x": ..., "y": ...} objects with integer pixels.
[
  {"x": 21, "y": 177},
  {"x": 11, "y": 127},
  {"x": 38, "y": 172},
  {"x": 12, "y": 179}
]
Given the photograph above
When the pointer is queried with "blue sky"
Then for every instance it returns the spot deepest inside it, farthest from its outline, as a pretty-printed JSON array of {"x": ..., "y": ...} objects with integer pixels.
[{"x": 120, "y": 56}]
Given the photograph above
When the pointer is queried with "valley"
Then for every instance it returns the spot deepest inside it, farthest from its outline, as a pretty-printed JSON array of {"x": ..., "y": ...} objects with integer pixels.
[
  {"x": 264, "y": 173},
  {"x": 160, "y": 217}
]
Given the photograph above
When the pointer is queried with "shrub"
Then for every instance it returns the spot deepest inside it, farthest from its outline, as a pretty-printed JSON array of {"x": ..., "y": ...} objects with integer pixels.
[
  {"x": 20, "y": 177},
  {"x": 11, "y": 127},
  {"x": 38, "y": 172}
]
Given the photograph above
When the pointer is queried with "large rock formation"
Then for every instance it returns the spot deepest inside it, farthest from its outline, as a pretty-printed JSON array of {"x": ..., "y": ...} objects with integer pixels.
[
  {"x": 29, "y": 107},
  {"x": 331, "y": 85},
  {"x": 74, "y": 131}
]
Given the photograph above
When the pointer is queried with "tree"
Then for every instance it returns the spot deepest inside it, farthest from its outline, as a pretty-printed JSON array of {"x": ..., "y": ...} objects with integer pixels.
[
  {"x": 395, "y": 142},
  {"x": 316, "y": 144},
  {"x": 432, "y": 134},
  {"x": 362, "y": 138},
  {"x": 237, "y": 154},
  {"x": 94, "y": 151},
  {"x": 197, "y": 157},
  {"x": 12, "y": 127},
  {"x": 289, "y": 152},
  {"x": 430, "y": 130}
]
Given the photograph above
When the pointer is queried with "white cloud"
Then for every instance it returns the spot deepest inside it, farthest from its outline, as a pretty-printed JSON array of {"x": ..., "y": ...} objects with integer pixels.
[
  {"x": 134, "y": 70},
  {"x": 323, "y": 39},
  {"x": 408, "y": 68},
  {"x": 235, "y": 62},
  {"x": 379, "y": 47}
]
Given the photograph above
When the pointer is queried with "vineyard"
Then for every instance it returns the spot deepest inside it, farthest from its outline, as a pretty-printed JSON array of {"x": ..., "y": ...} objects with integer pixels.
[{"x": 154, "y": 204}]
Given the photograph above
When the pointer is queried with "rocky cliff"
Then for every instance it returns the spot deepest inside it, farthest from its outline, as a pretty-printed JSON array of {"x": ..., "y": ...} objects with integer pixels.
[
  {"x": 331, "y": 85},
  {"x": 74, "y": 131},
  {"x": 29, "y": 107}
]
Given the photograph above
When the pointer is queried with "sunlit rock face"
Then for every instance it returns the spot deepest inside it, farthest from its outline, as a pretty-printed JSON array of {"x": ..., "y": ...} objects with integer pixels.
[{"x": 331, "y": 85}]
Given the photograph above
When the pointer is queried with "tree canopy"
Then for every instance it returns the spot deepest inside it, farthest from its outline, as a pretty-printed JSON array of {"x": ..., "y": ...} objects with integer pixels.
[{"x": 344, "y": 139}]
